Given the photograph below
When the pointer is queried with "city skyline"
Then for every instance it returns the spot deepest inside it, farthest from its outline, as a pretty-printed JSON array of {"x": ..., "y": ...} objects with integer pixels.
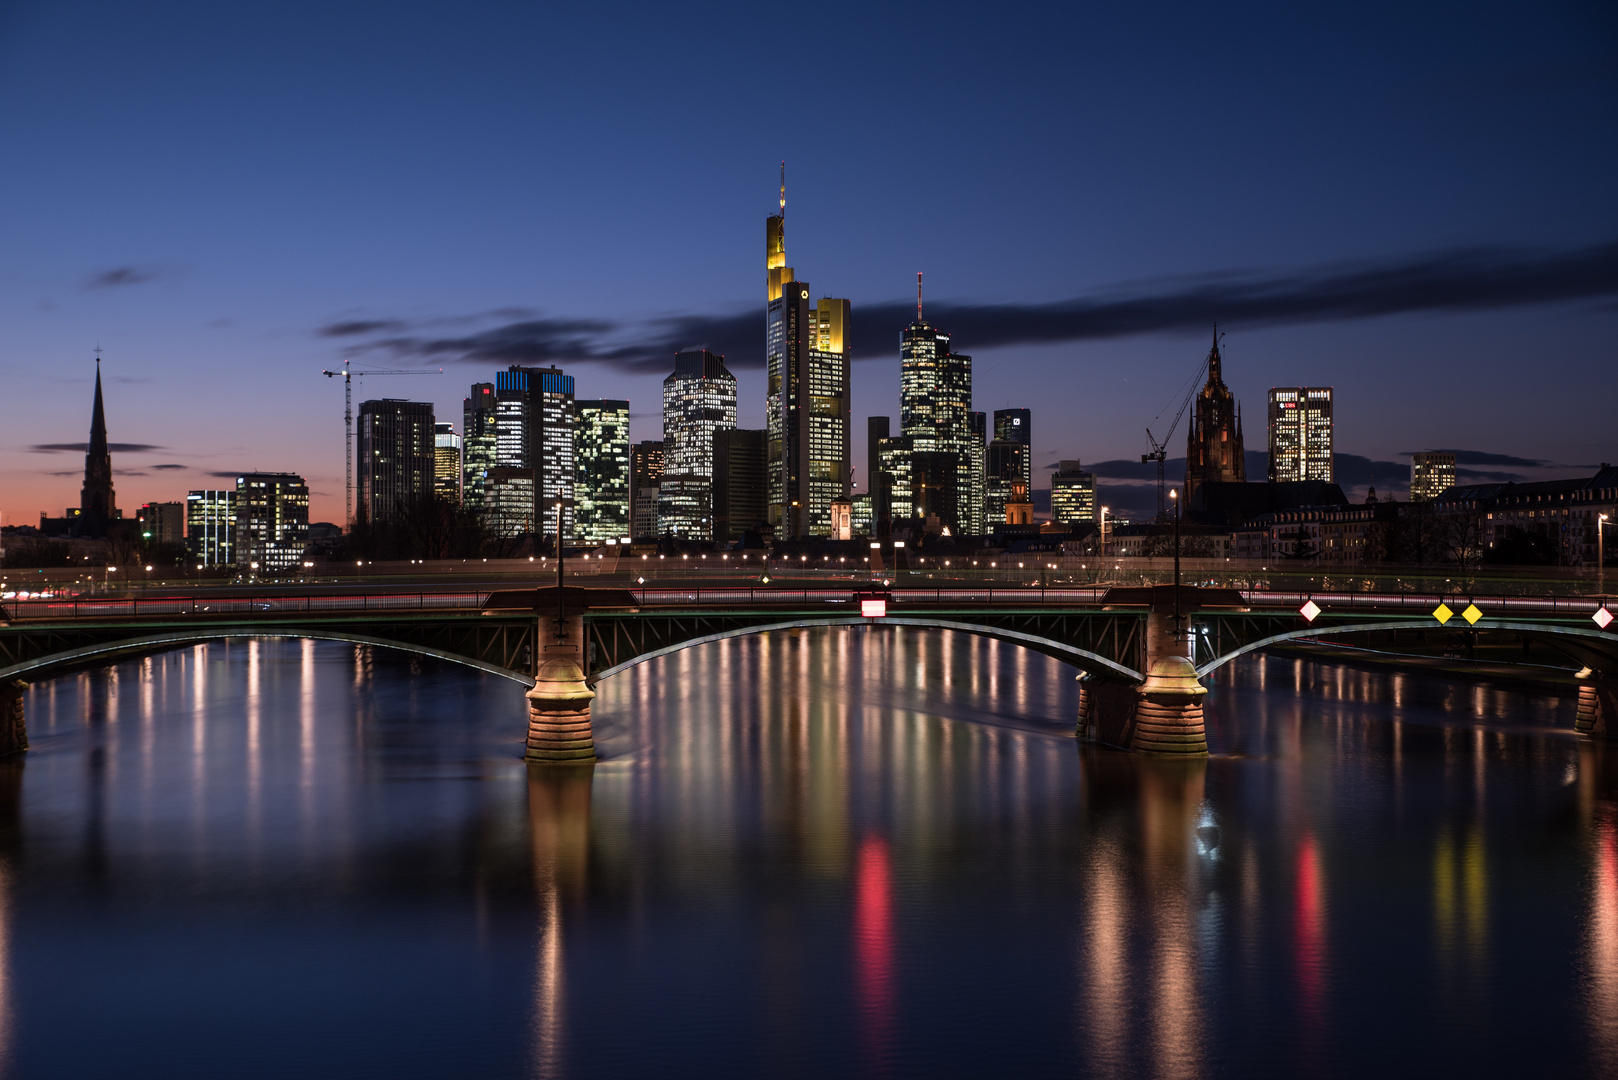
[{"x": 1370, "y": 252}]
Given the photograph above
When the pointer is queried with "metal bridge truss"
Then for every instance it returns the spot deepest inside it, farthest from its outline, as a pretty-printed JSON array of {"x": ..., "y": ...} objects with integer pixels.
[{"x": 617, "y": 639}]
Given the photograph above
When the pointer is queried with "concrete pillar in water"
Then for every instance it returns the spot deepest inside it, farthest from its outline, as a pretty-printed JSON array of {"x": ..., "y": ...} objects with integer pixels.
[
  {"x": 1598, "y": 706},
  {"x": 13, "y": 726},
  {"x": 1168, "y": 716},
  {"x": 559, "y": 706}
]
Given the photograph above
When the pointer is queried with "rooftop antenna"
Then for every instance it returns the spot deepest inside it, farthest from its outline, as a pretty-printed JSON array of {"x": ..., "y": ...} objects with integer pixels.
[
  {"x": 783, "y": 189},
  {"x": 918, "y": 296}
]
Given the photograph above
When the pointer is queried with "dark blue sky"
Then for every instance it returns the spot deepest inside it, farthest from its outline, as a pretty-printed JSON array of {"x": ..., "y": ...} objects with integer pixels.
[{"x": 1413, "y": 203}]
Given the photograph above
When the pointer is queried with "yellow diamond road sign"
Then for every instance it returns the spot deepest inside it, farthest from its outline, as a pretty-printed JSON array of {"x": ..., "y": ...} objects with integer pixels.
[
  {"x": 1472, "y": 614},
  {"x": 1442, "y": 613}
]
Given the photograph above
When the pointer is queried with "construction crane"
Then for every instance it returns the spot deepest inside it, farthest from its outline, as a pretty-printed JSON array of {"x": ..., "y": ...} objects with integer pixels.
[
  {"x": 1160, "y": 450},
  {"x": 348, "y": 421}
]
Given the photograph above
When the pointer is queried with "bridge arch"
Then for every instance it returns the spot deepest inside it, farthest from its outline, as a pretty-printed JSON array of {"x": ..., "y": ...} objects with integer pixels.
[
  {"x": 153, "y": 643},
  {"x": 1594, "y": 648},
  {"x": 1081, "y": 658}
]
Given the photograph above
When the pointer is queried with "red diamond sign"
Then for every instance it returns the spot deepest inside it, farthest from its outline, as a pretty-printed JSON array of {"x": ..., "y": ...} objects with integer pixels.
[
  {"x": 1603, "y": 617},
  {"x": 1312, "y": 609}
]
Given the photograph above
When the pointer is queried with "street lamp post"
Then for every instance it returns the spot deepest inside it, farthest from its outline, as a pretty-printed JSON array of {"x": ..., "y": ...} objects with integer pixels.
[
  {"x": 1103, "y": 532},
  {"x": 1174, "y": 495},
  {"x": 1601, "y": 554},
  {"x": 561, "y": 615}
]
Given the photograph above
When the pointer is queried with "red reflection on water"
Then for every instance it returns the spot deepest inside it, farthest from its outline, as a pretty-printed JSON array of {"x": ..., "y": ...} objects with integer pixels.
[
  {"x": 1603, "y": 952},
  {"x": 1309, "y": 930},
  {"x": 873, "y": 947}
]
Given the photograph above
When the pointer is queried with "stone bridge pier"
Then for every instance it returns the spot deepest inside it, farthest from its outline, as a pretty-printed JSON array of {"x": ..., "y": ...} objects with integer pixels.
[
  {"x": 1598, "y": 705},
  {"x": 1162, "y": 715},
  {"x": 13, "y": 726}
]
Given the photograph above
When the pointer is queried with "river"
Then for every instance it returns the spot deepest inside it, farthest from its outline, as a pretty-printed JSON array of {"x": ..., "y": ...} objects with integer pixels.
[{"x": 836, "y": 852}]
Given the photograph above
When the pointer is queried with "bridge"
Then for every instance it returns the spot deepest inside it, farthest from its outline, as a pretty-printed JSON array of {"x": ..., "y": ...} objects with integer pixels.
[{"x": 1143, "y": 652}]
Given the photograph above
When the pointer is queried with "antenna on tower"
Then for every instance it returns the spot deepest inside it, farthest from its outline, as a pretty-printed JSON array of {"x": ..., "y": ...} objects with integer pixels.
[
  {"x": 783, "y": 189},
  {"x": 918, "y": 296}
]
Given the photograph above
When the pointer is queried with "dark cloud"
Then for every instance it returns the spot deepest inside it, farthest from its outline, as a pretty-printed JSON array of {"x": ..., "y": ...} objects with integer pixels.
[
  {"x": 222, "y": 475},
  {"x": 1456, "y": 280},
  {"x": 1353, "y": 471},
  {"x": 1479, "y": 457},
  {"x": 168, "y": 466},
  {"x": 1486, "y": 476},
  {"x": 79, "y": 448},
  {"x": 121, "y": 275},
  {"x": 358, "y": 327}
]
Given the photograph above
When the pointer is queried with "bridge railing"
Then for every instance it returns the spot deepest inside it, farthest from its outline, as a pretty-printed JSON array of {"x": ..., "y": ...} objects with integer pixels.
[{"x": 766, "y": 597}]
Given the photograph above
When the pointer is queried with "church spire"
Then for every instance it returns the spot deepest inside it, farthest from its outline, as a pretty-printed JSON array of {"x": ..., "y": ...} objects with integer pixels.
[
  {"x": 98, "y": 419},
  {"x": 97, "y": 504},
  {"x": 1214, "y": 375}
]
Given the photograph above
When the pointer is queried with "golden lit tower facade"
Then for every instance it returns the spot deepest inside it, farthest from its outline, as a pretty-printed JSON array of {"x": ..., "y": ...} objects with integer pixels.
[
  {"x": 1300, "y": 433},
  {"x": 1213, "y": 452},
  {"x": 807, "y": 405}
]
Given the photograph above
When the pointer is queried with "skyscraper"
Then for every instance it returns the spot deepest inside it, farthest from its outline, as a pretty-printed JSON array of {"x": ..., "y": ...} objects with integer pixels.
[
  {"x": 210, "y": 527},
  {"x": 645, "y": 477},
  {"x": 395, "y": 456},
  {"x": 935, "y": 405},
  {"x": 699, "y": 398},
  {"x": 1432, "y": 472},
  {"x": 1214, "y": 444},
  {"x": 1007, "y": 460},
  {"x": 479, "y": 443},
  {"x": 446, "y": 462},
  {"x": 1073, "y": 494},
  {"x": 978, "y": 450},
  {"x": 1017, "y": 426},
  {"x": 97, "y": 503},
  {"x": 602, "y": 488},
  {"x": 534, "y": 431},
  {"x": 272, "y": 520},
  {"x": 807, "y": 403},
  {"x": 877, "y": 428},
  {"x": 738, "y": 481},
  {"x": 1300, "y": 433}
]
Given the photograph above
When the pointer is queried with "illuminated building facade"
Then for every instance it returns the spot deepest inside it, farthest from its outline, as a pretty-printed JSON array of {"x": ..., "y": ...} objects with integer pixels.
[
  {"x": 272, "y": 521},
  {"x": 1005, "y": 460},
  {"x": 699, "y": 398},
  {"x": 1073, "y": 494},
  {"x": 601, "y": 436},
  {"x": 446, "y": 462},
  {"x": 1017, "y": 426},
  {"x": 479, "y": 442},
  {"x": 1432, "y": 472},
  {"x": 978, "y": 450},
  {"x": 508, "y": 501},
  {"x": 1300, "y": 434},
  {"x": 645, "y": 476},
  {"x": 534, "y": 431},
  {"x": 1214, "y": 444},
  {"x": 807, "y": 402},
  {"x": 210, "y": 527},
  {"x": 935, "y": 409},
  {"x": 395, "y": 457},
  {"x": 894, "y": 463}
]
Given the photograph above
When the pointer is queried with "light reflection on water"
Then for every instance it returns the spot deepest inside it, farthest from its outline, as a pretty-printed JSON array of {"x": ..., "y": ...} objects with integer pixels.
[{"x": 840, "y": 852}]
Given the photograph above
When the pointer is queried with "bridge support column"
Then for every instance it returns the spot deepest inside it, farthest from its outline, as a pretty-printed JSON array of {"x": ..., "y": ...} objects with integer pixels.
[
  {"x": 559, "y": 708},
  {"x": 13, "y": 726},
  {"x": 1168, "y": 716},
  {"x": 1598, "y": 706}
]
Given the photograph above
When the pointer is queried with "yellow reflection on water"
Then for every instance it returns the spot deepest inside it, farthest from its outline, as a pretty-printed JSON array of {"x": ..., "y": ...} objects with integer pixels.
[{"x": 559, "y": 834}]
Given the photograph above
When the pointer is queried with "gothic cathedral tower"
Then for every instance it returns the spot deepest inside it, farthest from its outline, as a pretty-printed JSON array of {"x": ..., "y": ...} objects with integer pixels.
[{"x": 1213, "y": 451}]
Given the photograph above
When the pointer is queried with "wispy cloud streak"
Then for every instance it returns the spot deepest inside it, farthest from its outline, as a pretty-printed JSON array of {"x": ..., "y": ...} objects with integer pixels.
[{"x": 1458, "y": 280}]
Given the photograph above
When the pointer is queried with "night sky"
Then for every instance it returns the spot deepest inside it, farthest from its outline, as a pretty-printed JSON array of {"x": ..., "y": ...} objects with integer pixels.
[{"x": 1412, "y": 203}]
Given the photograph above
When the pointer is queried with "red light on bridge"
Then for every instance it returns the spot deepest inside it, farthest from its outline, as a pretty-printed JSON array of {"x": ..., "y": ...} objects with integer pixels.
[{"x": 873, "y": 609}]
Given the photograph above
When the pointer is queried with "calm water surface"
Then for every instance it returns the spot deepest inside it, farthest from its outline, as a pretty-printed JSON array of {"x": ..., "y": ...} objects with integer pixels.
[{"x": 834, "y": 853}]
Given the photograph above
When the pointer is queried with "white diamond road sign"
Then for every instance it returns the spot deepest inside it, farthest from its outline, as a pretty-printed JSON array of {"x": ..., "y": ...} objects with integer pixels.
[{"x": 1309, "y": 610}]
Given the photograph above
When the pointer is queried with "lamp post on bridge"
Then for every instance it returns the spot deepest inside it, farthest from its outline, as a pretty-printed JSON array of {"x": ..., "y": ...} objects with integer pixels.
[
  {"x": 1174, "y": 496},
  {"x": 1601, "y": 554}
]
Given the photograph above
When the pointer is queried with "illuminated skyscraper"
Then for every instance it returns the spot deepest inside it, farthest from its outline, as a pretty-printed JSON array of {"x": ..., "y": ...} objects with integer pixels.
[
  {"x": 1214, "y": 444},
  {"x": 446, "y": 462},
  {"x": 534, "y": 431},
  {"x": 645, "y": 477},
  {"x": 602, "y": 440},
  {"x": 1432, "y": 472},
  {"x": 395, "y": 456},
  {"x": 1017, "y": 426},
  {"x": 978, "y": 450},
  {"x": 935, "y": 405},
  {"x": 272, "y": 521},
  {"x": 807, "y": 403},
  {"x": 479, "y": 442},
  {"x": 1300, "y": 434},
  {"x": 1073, "y": 494},
  {"x": 699, "y": 398},
  {"x": 210, "y": 527}
]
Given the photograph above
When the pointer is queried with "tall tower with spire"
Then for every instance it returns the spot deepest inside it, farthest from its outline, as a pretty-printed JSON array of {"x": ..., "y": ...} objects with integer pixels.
[
  {"x": 97, "y": 506},
  {"x": 807, "y": 402},
  {"x": 1213, "y": 452}
]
